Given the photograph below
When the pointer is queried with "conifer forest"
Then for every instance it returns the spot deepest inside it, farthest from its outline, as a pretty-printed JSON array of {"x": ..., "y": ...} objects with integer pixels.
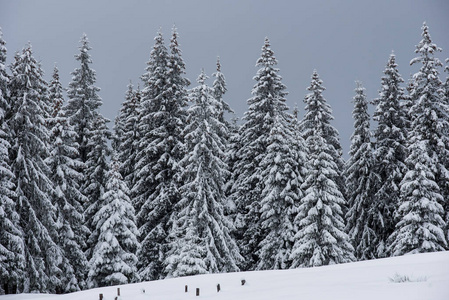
[{"x": 175, "y": 186}]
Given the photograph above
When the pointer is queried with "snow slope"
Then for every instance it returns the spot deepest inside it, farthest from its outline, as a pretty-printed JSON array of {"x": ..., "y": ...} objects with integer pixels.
[{"x": 368, "y": 280}]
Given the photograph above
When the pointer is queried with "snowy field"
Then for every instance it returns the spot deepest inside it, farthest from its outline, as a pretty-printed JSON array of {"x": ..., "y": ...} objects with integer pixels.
[{"x": 428, "y": 279}]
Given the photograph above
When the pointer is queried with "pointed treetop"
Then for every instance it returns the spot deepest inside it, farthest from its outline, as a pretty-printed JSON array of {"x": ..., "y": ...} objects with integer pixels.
[
  {"x": 84, "y": 42},
  {"x": 267, "y": 57},
  {"x": 202, "y": 77},
  {"x": 316, "y": 83},
  {"x": 218, "y": 64},
  {"x": 426, "y": 48}
]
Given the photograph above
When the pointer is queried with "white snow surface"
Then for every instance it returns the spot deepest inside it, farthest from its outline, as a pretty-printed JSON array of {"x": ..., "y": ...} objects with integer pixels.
[{"x": 369, "y": 280}]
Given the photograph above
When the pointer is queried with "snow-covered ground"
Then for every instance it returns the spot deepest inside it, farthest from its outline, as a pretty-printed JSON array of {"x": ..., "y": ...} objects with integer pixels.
[{"x": 428, "y": 279}]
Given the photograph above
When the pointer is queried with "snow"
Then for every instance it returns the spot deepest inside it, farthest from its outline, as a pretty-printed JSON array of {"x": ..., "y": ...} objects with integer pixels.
[{"x": 426, "y": 277}]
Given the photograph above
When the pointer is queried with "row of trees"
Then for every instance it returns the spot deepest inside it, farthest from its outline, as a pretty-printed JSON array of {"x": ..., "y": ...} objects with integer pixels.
[{"x": 188, "y": 192}]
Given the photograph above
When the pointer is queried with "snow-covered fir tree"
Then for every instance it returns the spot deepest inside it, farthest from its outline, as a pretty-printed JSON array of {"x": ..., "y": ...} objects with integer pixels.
[
  {"x": 201, "y": 240},
  {"x": 82, "y": 110},
  {"x": 12, "y": 260},
  {"x": 30, "y": 141},
  {"x": 360, "y": 182},
  {"x": 321, "y": 239},
  {"x": 219, "y": 87},
  {"x": 268, "y": 99},
  {"x": 430, "y": 111},
  {"x": 421, "y": 226},
  {"x": 152, "y": 232},
  {"x": 125, "y": 134},
  {"x": 318, "y": 114},
  {"x": 84, "y": 101},
  {"x": 114, "y": 257},
  {"x": 67, "y": 196},
  {"x": 163, "y": 118},
  {"x": 95, "y": 175},
  {"x": 389, "y": 154},
  {"x": 281, "y": 194}
]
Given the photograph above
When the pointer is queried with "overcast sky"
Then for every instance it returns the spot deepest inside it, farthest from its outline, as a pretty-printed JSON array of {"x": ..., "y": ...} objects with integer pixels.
[{"x": 343, "y": 40}]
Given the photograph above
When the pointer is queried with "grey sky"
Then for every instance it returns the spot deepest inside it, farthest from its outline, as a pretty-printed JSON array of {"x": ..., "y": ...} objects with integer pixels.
[{"x": 344, "y": 40}]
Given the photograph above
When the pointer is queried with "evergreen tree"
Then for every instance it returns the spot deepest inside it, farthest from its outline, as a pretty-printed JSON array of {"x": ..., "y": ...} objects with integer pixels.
[
  {"x": 421, "y": 224},
  {"x": 280, "y": 196},
  {"x": 219, "y": 87},
  {"x": 12, "y": 260},
  {"x": 114, "y": 256},
  {"x": 318, "y": 114},
  {"x": 30, "y": 139},
  {"x": 360, "y": 182},
  {"x": 67, "y": 196},
  {"x": 321, "y": 239},
  {"x": 84, "y": 101},
  {"x": 430, "y": 112},
  {"x": 268, "y": 99},
  {"x": 390, "y": 153},
  {"x": 201, "y": 239},
  {"x": 151, "y": 229},
  {"x": 161, "y": 148},
  {"x": 82, "y": 110}
]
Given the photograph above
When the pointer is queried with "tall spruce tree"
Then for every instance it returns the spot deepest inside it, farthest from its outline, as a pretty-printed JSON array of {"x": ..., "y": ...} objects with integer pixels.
[
  {"x": 201, "y": 236},
  {"x": 29, "y": 140},
  {"x": 319, "y": 113},
  {"x": 160, "y": 149},
  {"x": 268, "y": 99},
  {"x": 67, "y": 196},
  {"x": 152, "y": 232},
  {"x": 421, "y": 226},
  {"x": 12, "y": 260},
  {"x": 82, "y": 110},
  {"x": 321, "y": 239},
  {"x": 280, "y": 196},
  {"x": 389, "y": 154},
  {"x": 84, "y": 101},
  {"x": 360, "y": 181},
  {"x": 114, "y": 254},
  {"x": 430, "y": 112},
  {"x": 219, "y": 87}
]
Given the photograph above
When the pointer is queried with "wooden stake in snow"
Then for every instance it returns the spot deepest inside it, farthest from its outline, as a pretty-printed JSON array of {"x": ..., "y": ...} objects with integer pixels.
[
  {"x": 118, "y": 291},
  {"x": 197, "y": 291},
  {"x": 101, "y": 296},
  {"x": 218, "y": 288},
  {"x": 186, "y": 288}
]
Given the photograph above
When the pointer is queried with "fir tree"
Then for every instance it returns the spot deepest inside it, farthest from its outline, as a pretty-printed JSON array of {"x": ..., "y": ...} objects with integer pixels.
[
  {"x": 318, "y": 114},
  {"x": 201, "y": 238},
  {"x": 30, "y": 139},
  {"x": 114, "y": 258},
  {"x": 430, "y": 112},
  {"x": 161, "y": 149},
  {"x": 321, "y": 239},
  {"x": 390, "y": 153},
  {"x": 219, "y": 87},
  {"x": 67, "y": 196},
  {"x": 12, "y": 260},
  {"x": 421, "y": 224},
  {"x": 280, "y": 196},
  {"x": 84, "y": 101},
  {"x": 360, "y": 182},
  {"x": 268, "y": 99}
]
